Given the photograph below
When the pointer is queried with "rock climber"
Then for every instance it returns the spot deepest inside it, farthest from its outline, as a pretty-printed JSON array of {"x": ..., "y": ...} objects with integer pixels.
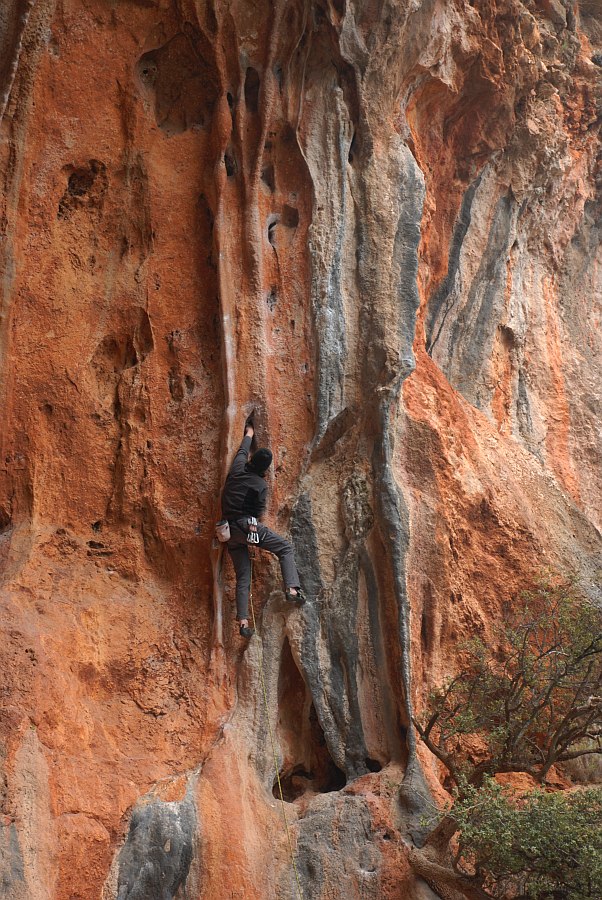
[{"x": 244, "y": 500}]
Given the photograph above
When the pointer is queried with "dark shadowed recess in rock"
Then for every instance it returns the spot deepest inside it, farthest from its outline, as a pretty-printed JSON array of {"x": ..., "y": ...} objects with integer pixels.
[
  {"x": 352, "y": 149},
  {"x": 6, "y": 514},
  {"x": 86, "y": 188},
  {"x": 268, "y": 177},
  {"x": 179, "y": 79},
  {"x": 230, "y": 163},
  {"x": 272, "y": 222},
  {"x": 252, "y": 85},
  {"x": 312, "y": 768},
  {"x": 272, "y": 299},
  {"x": 155, "y": 860}
]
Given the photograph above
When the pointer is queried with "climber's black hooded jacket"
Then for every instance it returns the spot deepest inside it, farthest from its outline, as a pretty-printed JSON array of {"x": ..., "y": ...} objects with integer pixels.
[{"x": 245, "y": 493}]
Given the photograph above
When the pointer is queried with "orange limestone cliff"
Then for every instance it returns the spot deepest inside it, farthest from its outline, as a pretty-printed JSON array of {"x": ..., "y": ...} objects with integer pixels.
[{"x": 376, "y": 227}]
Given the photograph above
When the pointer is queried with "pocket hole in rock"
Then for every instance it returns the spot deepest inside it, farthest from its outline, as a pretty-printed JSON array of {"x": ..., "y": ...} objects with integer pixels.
[
  {"x": 5, "y": 519},
  {"x": 352, "y": 149},
  {"x": 147, "y": 69},
  {"x": 267, "y": 176},
  {"x": 272, "y": 231},
  {"x": 86, "y": 186},
  {"x": 308, "y": 763},
  {"x": 180, "y": 83},
  {"x": 252, "y": 85},
  {"x": 230, "y": 164}
]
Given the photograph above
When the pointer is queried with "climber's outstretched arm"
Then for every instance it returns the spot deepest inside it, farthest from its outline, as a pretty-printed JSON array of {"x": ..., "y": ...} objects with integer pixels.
[{"x": 242, "y": 456}]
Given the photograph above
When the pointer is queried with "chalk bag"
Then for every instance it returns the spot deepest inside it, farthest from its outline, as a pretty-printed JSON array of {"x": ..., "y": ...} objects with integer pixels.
[{"x": 222, "y": 531}]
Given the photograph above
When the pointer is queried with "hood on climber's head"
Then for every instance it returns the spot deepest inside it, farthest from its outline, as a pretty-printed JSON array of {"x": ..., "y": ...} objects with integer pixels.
[{"x": 261, "y": 461}]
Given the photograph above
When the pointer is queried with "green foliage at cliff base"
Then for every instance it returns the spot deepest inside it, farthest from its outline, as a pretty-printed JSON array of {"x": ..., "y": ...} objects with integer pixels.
[{"x": 536, "y": 845}]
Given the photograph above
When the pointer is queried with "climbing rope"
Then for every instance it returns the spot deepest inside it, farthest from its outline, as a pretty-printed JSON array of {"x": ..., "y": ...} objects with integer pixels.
[{"x": 267, "y": 715}]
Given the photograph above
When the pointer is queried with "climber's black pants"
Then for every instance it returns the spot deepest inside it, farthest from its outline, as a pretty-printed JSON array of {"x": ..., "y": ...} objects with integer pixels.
[{"x": 239, "y": 551}]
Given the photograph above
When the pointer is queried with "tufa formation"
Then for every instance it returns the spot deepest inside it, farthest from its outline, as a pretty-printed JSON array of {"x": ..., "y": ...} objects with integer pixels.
[{"x": 374, "y": 226}]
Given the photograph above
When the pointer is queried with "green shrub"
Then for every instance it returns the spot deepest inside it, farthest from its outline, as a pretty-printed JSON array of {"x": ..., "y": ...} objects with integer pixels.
[
  {"x": 527, "y": 700},
  {"x": 536, "y": 845}
]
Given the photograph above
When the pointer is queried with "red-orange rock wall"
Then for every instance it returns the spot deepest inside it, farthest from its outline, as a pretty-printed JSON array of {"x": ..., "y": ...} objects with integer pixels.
[{"x": 376, "y": 227}]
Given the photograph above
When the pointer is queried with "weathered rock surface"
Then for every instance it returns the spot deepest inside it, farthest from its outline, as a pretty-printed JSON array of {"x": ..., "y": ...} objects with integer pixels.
[{"x": 377, "y": 225}]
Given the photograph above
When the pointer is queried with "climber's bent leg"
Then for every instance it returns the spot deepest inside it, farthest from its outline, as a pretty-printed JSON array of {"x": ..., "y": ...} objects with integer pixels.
[
  {"x": 242, "y": 567},
  {"x": 283, "y": 549}
]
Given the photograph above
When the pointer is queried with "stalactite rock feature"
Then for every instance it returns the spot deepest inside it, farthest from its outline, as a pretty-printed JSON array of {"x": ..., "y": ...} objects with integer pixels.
[{"x": 374, "y": 228}]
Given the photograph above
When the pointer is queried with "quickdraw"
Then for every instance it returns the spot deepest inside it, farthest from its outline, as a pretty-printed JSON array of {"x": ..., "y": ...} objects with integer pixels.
[{"x": 253, "y": 534}]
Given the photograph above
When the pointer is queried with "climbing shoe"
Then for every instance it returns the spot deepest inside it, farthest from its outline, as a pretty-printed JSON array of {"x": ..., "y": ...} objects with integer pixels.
[
  {"x": 299, "y": 598},
  {"x": 246, "y": 631}
]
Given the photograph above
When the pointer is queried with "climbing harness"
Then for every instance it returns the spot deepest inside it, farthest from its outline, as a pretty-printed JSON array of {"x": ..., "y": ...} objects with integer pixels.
[{"x": 267, "y": 715}]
